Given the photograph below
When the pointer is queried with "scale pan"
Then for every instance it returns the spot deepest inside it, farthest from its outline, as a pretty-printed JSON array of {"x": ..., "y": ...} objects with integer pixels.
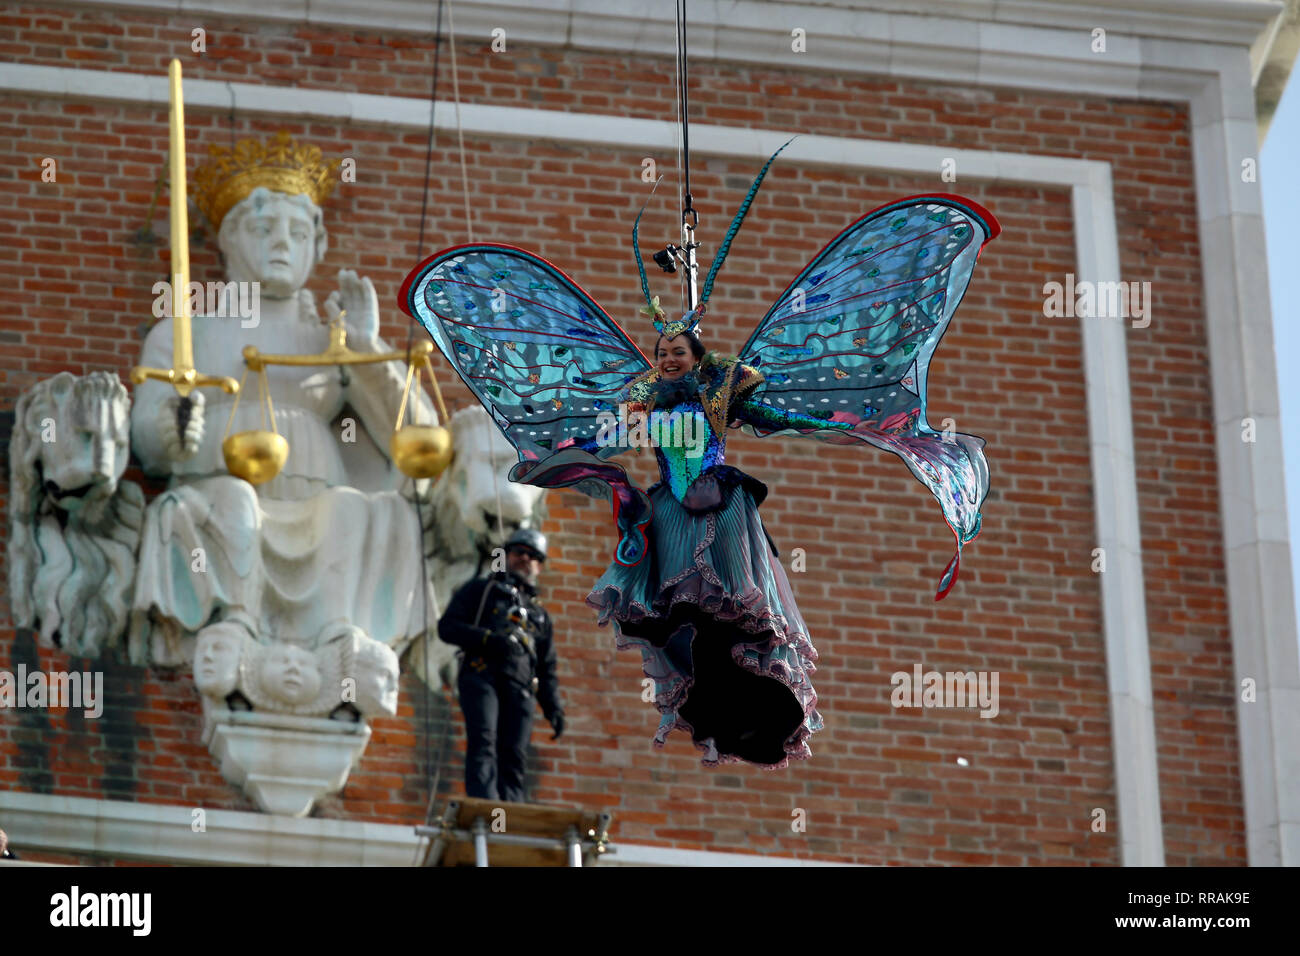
[
  {"x": 421, "y": 451},
  {"x": 256, "y": 456}
]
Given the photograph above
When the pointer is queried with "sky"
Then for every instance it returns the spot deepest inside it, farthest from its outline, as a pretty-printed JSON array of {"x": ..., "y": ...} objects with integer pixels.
[{"x": 1277, "y": 176}]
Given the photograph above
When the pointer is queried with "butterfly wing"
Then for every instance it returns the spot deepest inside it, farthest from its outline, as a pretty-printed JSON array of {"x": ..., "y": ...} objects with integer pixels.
[
  {"x": 853, "y": 335},
  {"x": 545, "y": 361},
  {"x": 543, "y": 358}
]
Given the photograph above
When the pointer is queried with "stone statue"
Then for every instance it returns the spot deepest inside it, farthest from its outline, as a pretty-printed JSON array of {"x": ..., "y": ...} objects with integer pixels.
[
  {"x": 329, "y": 539},
  {"x": 293, "y": 600},
  {"x": 74, "y": 525}
]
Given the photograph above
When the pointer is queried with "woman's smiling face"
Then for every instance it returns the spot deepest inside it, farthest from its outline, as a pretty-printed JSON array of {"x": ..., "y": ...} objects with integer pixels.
[{"x": 673, "y": 357}]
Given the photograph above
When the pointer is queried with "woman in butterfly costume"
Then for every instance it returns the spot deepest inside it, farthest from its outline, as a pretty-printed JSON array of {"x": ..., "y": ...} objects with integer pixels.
[{"x": 696, "y": 584}]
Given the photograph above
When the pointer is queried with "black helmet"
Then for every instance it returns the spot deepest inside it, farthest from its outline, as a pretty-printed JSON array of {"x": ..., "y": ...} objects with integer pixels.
[{"x": 529, "y": 538}]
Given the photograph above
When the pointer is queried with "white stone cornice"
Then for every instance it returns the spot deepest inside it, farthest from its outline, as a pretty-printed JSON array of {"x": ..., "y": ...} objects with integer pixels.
[
  {"x": 1272, "y": 58},
  {"x": 1235, "y": 22},
  {"x": 1016, "y": 44},
  {"x": 165, "y": 833},
  {"x": 612, "y": 23}
]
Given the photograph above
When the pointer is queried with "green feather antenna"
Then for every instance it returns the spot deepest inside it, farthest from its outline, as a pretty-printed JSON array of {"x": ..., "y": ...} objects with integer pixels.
[
  {"x": 735, "y": 226},
  {"x": 652, "y": 304}
]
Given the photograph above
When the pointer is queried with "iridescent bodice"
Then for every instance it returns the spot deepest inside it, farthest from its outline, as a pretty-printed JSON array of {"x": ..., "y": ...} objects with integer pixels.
[
  {"x": 689, "y": 437},
  {"x": 686, "y": 446}
]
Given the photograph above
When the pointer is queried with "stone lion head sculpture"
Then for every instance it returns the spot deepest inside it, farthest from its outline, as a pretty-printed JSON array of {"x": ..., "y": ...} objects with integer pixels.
[
  {"x": 474, "y": 508},
  {"x": 475, "y": 489},
  {"x": 74, "y": 525}
]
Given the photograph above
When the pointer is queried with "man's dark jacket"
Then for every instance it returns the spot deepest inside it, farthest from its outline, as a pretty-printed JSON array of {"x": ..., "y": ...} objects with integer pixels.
[{"x": 477, "y": 621}]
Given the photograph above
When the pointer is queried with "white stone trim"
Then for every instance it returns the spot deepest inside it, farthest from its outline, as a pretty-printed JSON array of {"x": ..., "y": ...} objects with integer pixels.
[
  {"x": 613, "y": 23},
  {"x": 1252, "y": 488},
  {"x": 163, "y": 833},
  {"x": 1115, "y": 499},
  {"x": 1189, "y": 51},
  {"x": 632, "y": 854},
  {"x": 4, "y": 863},
  {"x": 511, "y": 122}
]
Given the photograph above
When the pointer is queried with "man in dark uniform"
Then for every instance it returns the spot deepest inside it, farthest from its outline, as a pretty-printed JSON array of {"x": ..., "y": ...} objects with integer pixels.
[{"x": 508, "y": 653}]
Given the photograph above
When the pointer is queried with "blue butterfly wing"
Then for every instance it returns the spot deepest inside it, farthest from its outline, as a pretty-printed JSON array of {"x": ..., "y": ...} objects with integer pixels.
[
  {"x": 543, "y": 358},
  {"x": 854, "y": 333}
]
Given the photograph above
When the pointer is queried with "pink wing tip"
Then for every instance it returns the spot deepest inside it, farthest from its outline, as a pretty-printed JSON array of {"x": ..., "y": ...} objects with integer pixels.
[{"x": 949, "y": 576}]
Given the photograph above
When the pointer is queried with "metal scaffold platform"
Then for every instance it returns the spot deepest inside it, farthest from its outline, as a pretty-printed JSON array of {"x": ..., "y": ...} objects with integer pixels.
[{"x": 474, "y": 832}]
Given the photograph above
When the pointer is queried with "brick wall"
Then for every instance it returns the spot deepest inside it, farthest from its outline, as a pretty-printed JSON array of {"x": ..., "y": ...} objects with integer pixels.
[{"x": 884, "y": 785}]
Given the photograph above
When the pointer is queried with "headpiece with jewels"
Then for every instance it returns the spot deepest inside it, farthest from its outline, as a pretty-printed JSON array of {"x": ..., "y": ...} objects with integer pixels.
[
  {"x": 690, "y": 322},
  {"x": 282, "y": 164}
]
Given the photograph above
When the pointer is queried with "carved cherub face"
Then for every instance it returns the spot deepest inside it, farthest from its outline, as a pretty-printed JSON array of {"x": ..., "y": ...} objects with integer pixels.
[
  {"x": 376, "y": 670},
  {"x": 271, "y": 239},
  {"x": 216, "y": 659},
  {"x": 290, "y": 674}
]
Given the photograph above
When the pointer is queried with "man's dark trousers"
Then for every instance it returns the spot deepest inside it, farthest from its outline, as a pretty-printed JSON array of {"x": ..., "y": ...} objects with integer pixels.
[{"x": 498, "y": 722}]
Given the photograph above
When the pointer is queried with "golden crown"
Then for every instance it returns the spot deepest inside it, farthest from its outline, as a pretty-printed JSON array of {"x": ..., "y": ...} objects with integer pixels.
[{"x": 282, "y": 164}]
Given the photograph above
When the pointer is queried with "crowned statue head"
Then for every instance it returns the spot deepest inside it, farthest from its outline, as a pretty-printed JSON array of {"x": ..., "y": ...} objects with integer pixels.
[{"x": 264, "y": 201}]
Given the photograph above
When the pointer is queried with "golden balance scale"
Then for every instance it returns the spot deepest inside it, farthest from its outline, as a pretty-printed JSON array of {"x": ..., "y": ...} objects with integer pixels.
[{"x": 420, "y": 451}]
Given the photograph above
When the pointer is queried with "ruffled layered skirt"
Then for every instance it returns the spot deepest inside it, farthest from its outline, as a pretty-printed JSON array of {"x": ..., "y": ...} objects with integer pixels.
[{"x": 711, "y": 611}]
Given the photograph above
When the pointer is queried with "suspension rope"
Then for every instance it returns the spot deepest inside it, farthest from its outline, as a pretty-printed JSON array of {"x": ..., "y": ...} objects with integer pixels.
[
  {"x": 435, "y": 769},
  {"x": 460, "y": 133},
  {"x": 683, "y": 105},
  {"x": 690, "y": 218},
  {"x": 496, "y": 483},
  {"x": 469, "y": 223},
  {"x": 677, "y": 130},
  {"x": 469, "y": 233},
  {"x": 428, "y": 161},
  {"x": 684, "y": 116}
]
